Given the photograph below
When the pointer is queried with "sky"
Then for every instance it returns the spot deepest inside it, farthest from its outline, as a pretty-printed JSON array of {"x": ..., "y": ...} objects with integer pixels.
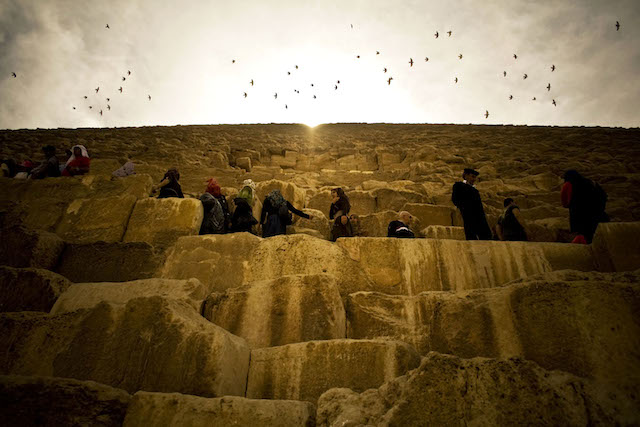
[{"x": 181, "y": 54}]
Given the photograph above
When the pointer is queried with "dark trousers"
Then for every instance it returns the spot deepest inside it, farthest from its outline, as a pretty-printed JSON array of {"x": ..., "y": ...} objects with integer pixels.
[{"x": 476, "y": 227}]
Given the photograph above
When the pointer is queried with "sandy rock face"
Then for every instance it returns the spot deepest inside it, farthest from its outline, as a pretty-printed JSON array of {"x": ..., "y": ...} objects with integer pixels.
[
  {"x": 179, "y": 409},
  {"x": 617, "y": 246},
  {"x": 287, "y": 310},
  {"x": 446, "y": 389},
  {"x": 20, "y": 247},
  {"x": 430, "y": 214},
  {"x": 148, "y": 344},
  {"x": 572, "y": 324},
  {"x": 304, "y": 371},
  {"x": 30, "y": 289},
  {"x": 92, "y": 220},
  {"x": 88, "y": 295},
  {"x": 30, "y": 401},
  {"x": 109, "y": 262},
  {"x": 443, "y": 232},
  {"x": 162, "y": 221}
]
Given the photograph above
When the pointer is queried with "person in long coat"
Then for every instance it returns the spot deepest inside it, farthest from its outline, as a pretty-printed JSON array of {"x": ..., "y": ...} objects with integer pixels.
[{"x": 467, "y": 199}]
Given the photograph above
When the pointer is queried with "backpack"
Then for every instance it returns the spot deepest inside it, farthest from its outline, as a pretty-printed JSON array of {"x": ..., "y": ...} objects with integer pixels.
[{"x": 214, "y": 218}]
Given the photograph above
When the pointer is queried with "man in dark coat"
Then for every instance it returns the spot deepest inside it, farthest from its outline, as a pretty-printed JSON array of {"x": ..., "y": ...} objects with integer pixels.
[
  {"x": 586, "y": 201},
  {"x": 467, "y": 198}
]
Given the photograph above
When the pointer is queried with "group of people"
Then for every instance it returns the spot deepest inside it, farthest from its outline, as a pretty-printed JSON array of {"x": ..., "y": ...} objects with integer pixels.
[
  {"x": 78, "y": 163},
  {"x": 585, "y": 199}
]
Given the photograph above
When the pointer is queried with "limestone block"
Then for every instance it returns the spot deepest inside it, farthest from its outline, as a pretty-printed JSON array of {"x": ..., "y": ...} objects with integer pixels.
[
  {"x": 292, "y": 229},
  {"x": 173, "y": 409},
  {"x": 362, "y": 202},
  {"x": 447, "y": 390},
  {"x": 96, "y": 219},
  {"x": 104, "y": 166},
  {"x": 320, "y": 201},
  {"x": 244, "y": 163},
  {"x": 291, "y": 192},
  {"x": 286, "y": 310},
  {"x": 306, "y": 370},
  {"x": 151, "y": 344},
  {"x": 43, "y": 213},
  {"x": 88, "y": 295},
  {"x": 565, "y": 256},
  {"x": 138, "y": 185},
  {"x": 395, "y": 199},
  {"x": 616, "y": 246},
  {"x": 219, "y": 261},
  {"x": 318, "y": 222},
  {"x": 109, "y": 262},
  {"x": 282, "y": 161},
  {"x": 388, "y": 160},
  {"x": 31, "y": 401},
  {"x": 443, "y": 232},
  {"x": 377, "y": 224},
  {"x": 29, "y": 289},
  {"x": 20, "y": 247},
  {"x": 161, "y": 221},
  {"x": 430, "y": 214}
]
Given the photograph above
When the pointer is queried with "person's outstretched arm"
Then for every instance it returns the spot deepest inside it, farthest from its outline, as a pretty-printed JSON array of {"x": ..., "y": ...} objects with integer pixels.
[{"x": 296, "y": 211}]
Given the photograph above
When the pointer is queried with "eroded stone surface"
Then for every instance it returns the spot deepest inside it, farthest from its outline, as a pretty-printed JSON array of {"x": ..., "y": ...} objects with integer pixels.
[
  {"x": 30, "y": 289},
  {"x": 20, "y": 247},
  {"x": 617, "y": 246},
  {"x": 282, "y": 311},
  {"x": 148, "y": 344},
  {"x": 173, "y": 409},
  {"x": 304, "y": 371}
]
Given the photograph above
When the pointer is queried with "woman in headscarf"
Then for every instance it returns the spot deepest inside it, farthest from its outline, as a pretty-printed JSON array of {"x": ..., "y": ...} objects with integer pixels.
[
  {"x": 169, "y": 185},
  {"x": 78, "y": 163},
  {"x": 586, "y": 201},
  {"x": 275, "y": 214},
  {"x": 214, "y": 189},
  {"x": 339, "y": 212}
]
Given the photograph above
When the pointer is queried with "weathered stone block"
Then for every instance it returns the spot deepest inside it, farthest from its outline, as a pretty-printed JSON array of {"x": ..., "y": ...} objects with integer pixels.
[
  {"x": 173, "y": 409},
  {"x": 161, "y": 221},
  {"x": 88, "y": 295},
  {"x": 20, "y": 247},
  {"x": 318, "y": 222},
  {"x": 446, "y": 389},
  {"x": 29, "y": 289},
  {"x": 306, "y": 370},
  {"x": 291, "y": 192},
  {"x": 616, "y": 246},
  {"x": 362, "y": 203},
  {"x": 109, "y": 262},
  {"x": 287, "y": 310},
  {"x": 244, "y": 163},
  {"x": 443, "y": 232},
  {"x": 31, "y": 401},
  {"x": 97, "y": 219},
  {"x": 377, "y": 224},
  {"x": 148, "y": 344},
  {"x": 395, "y": 199},
  {"x": 430, "y": 214}
]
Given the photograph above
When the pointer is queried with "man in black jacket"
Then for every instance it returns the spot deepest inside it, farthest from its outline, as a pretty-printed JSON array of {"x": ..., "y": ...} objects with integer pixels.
[{"x": 467, "y": 199}]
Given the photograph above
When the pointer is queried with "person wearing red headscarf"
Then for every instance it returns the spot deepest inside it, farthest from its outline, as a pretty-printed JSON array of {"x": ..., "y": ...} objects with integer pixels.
[{"x": 214, "y": 189}]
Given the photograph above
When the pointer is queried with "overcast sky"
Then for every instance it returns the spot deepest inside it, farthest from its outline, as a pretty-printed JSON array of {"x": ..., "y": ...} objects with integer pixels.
[{"x": 181, "y": 54}]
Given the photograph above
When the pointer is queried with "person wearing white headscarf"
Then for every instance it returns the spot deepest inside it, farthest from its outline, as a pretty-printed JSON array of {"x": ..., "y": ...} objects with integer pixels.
[{"x": 78, "y": 163}]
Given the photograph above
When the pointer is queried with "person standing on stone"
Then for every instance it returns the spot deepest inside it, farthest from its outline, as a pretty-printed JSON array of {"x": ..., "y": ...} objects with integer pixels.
[
  {"x": 276, "y": 214},
  {"x": 400, "y": 227},
  {"x": 169, "y": 185},
  {"x": 50, "y": 167},
  {"x": 510, "y": 224},
  {"x": 467, "y": 198},
  {"x": 214, "y": 189},
  {"x": 339, "y": 212},
  {"x": 586, "y": 202}
]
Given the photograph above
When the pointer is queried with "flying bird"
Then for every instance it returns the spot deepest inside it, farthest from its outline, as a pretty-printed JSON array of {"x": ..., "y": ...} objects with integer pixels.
[
  {"x": 351, "y": 26},
  {"x": 617, "y": 26},
  {"x": 107, "y": 26},
  {"x": 275, "y": 95},
  {"x": 358, "y": 56},
  {"x": 534, "y": 98},
  {"x": 515, "y": 56},
  {"x": 436, "y": 34},
  {"x": 14, "y": 75},
  {"x": 411, "y": 62},
  {"x": 385, "y": 70},
  {"x": 338, "y": 82},
  {"x": 377, "y": 52},
  {"x": 149, "y": 97},
  {"x": 124, "y": 78},
  {"x": 456, "y": 80},
  {"x": 389, "y": 80},
  {"x": 311, "y": 84},
  {"x": 245, "y": 94},
  {"x": 74, "y": 108},
  {"x": 426, "y": 59},
  {"x": 233, "y": 61},
  {"x": 554, "y": 103},
  {"x": 525, "y": 76},
  {"x": 108, "y": 100},
  {"x": 449, "y": 32},
  {"x": 108, "y": 107},
  {"x": 285, "y": 106},
  {"x": 90, "y": 107},
  {"x": 288, "y": 73},
  {"x": 460, "y": 56},
  {"x": 128, "y": 72},
  {"x": 100, "y": 112},
  {"x": 548, "y": 87},
  {"x": 510, "y": 97},
  {"x": 85, "y": 97},
  {"x": 504, "y": 73},
  {"x": 314, "y": 97},
  {"x": 553, "y": 68},
  {"x": 97, "y": 89},
  {"x": 336, "y": 87},
  {"x": 251, "y": 82},
  {"x": 120, "y": 89},
  {"x": 486, "y": 114}
]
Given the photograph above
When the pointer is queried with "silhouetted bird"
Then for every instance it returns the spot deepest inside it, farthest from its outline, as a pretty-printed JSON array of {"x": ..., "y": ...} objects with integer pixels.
[
  {"x": 288, "y": 73},
  {"x": 548, "y": 87},
  {"x": 385, "y": 70},
  {"x": 233, "y": 61},
  {"x": 107, "y": 26},
  {"x": 411, "y": 62},
  {"x": 553, "y": 68},
  {"x": 128, "y": 72},
  {"x": 108, "y": 100},
  {"x": 515, "y": 56},
  {"x": 377, "y": 52},
  {"x": 336, "y": 87},
  {"x": 534, "y": 98},
  {"x": 436, "y": 34},
  {"x": 90, "y": 107},
  {"x": 120, "y": 89},
  {"x": 314, "y": 97},
  {"x": 460, "y": 56},
  {"x": 311, "y": 84},
  {"x": 358, "y": 56},
  {"x": 245, "y": 94},
  {"x": 617, "y": 26},
  {"x": 338, "y": 82},
  {"x": 149, "y": 97},
  {"x": 251, "y": 82},
  {"x": 275, "y": 95},
  {"x": 14, "y": 75},
  {"x": 285, "y": 106},
  {"x": 108, "y": 107},
  {"x": 554, "y": 103},
  {"x": 504, "y": 73},
  {"x": 449, "y": 32},
  {"x": 352, "y": 26},
  {"x": 100, "y": 112},
  {"x": 389, "y": 81},
  {"x": 510, "y": 97},
  {"x": 486, "y": 114},
  {"x": 124, "y": 78},
  {"x": 525, "y": 76},
  {"x": 97, "y": 89},
  {"x": 85, "y": 97},
  {"x": 296, "y": 67},
  {"x": 426, "y": 59},
  {"x": 456, "y": 80},
  {"x": 74, "y": 108}
]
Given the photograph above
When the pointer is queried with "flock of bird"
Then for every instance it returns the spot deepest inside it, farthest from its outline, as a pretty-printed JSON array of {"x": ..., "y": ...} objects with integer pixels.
[{"x": 297, "y": 91}]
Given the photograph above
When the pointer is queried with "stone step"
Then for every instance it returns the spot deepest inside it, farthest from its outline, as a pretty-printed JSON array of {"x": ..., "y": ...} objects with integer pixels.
[
  {"x": 584, "y": 323},
  {"x": 304, "y": 371},
  {"x": 151, "y": 344},
  {"x": 30, "y": 289},
  {"x": 447, "y": 390},
  {"x": 444, "y": 232},
  {"x": 281, "y": 311}
]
